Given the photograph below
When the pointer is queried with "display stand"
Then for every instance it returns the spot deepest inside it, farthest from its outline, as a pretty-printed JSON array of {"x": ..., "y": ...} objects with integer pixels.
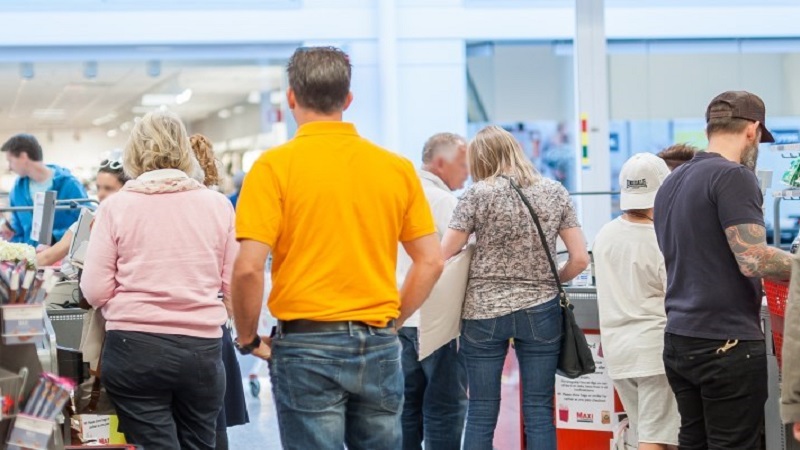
[
  {"x": 584, "y": 299},
  {"x": 36, "y": 358},
  {"x": 787, "y": 151},
  {"x": 778, "y": 436}
]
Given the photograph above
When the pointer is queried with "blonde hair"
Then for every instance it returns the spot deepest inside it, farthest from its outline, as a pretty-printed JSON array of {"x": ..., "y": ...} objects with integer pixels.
[
  {"x": 494, "y": 152},
  {"x": 158, "y": 141},
  {"x": 204, "y": 151}
]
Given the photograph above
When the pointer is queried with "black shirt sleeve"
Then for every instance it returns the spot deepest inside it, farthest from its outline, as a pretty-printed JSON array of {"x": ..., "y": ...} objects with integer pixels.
[{"x": 738, "y": 198}]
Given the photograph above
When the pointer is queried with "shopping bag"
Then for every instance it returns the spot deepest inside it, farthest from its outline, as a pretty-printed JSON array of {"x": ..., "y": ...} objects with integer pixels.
[{"x": 440, "y": 315}]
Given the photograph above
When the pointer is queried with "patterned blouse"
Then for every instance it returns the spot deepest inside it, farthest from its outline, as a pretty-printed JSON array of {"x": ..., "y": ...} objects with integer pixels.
[{"x": 509, "y": 271}]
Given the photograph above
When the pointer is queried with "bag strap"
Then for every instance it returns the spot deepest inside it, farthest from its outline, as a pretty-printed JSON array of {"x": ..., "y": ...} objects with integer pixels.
[
  {"x": 561, "y": 293},
  {"x": 97, "y": 387}
]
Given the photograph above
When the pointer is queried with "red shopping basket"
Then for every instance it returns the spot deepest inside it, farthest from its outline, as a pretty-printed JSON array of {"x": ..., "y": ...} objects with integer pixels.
[{"x": 777, "y": 295}]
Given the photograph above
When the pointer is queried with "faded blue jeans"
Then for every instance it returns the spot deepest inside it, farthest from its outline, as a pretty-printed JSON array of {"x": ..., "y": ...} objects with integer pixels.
[
  {"x": 537, "y": 340},
  {"x": 336, "y": 389},
  {"x": 435, "y": 396}
]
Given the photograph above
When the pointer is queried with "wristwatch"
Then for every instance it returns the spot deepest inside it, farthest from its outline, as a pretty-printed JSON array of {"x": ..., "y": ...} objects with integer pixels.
[{"x": 248, "y": 348}]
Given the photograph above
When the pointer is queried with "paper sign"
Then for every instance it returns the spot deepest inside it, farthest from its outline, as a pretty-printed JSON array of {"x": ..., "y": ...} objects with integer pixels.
[
  {"x": 43, "y": 216},
  {"x": 100, "y": 429},
  {"x": 38, "y": 215},
  {"x": 586, "y": 403}
]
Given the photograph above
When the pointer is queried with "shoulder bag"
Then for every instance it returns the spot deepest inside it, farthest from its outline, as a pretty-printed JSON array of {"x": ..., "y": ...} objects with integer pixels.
[{"x": 575, "y": 358}]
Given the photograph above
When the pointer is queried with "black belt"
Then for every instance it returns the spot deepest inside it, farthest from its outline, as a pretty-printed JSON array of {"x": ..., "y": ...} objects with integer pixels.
[{"x": 313, "y": 326}]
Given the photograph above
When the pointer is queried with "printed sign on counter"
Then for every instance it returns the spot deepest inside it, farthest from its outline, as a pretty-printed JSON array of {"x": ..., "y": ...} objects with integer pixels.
[
  {"x": 586, "y": 403},
  {"x": 98, "y": 429}
]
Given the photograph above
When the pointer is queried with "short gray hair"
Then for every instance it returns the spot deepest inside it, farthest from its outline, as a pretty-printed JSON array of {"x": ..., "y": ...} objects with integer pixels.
[
  {"x": 441, "y": 144},
  {"x": 320, "y": 78}
]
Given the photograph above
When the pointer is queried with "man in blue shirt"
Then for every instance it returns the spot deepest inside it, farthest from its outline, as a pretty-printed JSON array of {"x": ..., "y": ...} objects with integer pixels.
[{"x": 25, "y": 158}]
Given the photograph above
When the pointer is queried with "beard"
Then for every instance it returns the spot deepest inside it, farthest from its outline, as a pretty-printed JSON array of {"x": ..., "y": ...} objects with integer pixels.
[{"x": 750, "y": 155}]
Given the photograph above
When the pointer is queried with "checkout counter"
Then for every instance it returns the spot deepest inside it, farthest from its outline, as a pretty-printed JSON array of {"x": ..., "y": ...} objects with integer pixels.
[{"x": 776, "y": 435}]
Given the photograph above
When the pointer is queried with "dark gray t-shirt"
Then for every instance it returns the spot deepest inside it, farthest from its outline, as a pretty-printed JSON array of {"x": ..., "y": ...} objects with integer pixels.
[{"x": 707, "y": 295}]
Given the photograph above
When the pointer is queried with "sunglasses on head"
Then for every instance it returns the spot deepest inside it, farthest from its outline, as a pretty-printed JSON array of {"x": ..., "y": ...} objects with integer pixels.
[{"x": 111, "y": 164}]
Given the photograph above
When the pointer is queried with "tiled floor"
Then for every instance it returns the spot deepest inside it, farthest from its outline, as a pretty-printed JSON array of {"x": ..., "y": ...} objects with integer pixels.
[{"x": 262, "y": 431}]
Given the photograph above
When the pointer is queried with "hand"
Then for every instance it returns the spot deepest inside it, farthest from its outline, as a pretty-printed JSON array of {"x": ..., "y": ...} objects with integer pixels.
[
  {"x": 6, "y": 232},
  {"x": 797, "y": 431},
  {"x": 264, "y": 351}
]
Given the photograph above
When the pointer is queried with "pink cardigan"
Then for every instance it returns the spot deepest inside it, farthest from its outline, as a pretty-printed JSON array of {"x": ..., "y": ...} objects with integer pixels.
[{"x": 156, "y": 262}]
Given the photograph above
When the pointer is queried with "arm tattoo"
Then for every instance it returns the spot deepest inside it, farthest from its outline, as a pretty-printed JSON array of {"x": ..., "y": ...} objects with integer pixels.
[{"x": 748, "y": 243}]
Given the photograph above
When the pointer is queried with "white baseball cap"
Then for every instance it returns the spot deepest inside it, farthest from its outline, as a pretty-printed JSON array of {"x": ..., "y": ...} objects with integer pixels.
[{"x": 639, "y": 180}]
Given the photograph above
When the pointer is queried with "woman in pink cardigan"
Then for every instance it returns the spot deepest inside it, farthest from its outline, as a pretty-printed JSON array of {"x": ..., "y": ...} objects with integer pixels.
[{"x": 160, "y": 252}]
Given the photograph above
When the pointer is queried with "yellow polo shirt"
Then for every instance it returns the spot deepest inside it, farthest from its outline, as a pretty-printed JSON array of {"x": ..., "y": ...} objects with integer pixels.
[{"x": 333, "y": 206}]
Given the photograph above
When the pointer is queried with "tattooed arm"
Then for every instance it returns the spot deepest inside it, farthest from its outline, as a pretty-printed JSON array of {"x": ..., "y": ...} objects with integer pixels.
[{"x": 756, "y": 259}]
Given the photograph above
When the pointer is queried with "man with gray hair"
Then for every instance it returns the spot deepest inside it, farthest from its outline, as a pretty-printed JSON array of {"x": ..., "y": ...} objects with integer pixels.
[{"x": 435, "y": 388}]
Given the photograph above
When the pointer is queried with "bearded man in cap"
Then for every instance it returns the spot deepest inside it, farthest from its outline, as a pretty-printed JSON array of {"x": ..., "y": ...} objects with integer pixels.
[{"x": 710, "y": 228}]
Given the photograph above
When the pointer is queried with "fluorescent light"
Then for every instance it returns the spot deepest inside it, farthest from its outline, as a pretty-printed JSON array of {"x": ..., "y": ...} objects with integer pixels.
[
  {"x": 102, "y": 120},
  {"x": 254, "y": 97},
  {"x": 143, "y": 109},
  {"x": 125, "y": 126},
  {"x": 183, "y": 97},
  {"x": 158, "y": 99},
  {"x": 112, "y": 133},
  {"x": 49, "y": 113},
  {"x": 242, "y": 143},
  {"x": 249, "y": 158},
  {"x": 276, "y": 97},
  {"x": 224, "y": 113}
]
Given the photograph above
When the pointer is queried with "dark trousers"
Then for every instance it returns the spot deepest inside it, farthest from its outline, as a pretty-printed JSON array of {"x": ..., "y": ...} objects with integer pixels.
[
  {"x": 435, "y": 395},
  {"x": 167, "y": 389},
  {"x": 234, "y": 408},
  {"x": 720, "y": 394}
]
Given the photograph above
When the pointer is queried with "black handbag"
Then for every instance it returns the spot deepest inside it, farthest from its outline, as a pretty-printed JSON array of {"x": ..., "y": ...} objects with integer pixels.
[{"x": 575, "y": 358}]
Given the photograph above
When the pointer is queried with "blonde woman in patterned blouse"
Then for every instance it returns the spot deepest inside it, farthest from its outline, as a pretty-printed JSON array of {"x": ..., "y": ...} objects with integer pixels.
[{"x": 511, "y": 292}]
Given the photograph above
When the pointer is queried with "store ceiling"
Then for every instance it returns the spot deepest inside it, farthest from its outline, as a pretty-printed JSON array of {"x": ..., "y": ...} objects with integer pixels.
[{"x": 60, "y": 96}]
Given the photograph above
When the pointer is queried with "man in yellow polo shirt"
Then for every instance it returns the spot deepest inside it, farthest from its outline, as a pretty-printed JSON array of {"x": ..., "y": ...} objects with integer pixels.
[{"x": 331, "y": 207}]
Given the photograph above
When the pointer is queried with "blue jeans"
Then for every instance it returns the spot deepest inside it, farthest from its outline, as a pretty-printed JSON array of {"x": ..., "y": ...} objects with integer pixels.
[
  {"x": 435, "y": 395},
  {"x": 537, "y": 339},
  {"x": 333, "y": 389}
]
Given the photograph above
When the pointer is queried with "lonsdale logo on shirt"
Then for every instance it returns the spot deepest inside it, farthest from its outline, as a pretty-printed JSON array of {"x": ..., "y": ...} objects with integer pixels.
[{"x": 637, "y": 184}]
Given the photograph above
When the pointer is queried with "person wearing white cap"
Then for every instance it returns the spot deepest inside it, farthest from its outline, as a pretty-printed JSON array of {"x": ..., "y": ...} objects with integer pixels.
[{"x": 631, "y": 286}]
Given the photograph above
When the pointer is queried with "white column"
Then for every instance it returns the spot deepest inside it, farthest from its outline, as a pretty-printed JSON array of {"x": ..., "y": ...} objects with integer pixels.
[
  {"x": 433, "y": 84},
  {"x": 387, "y": 68},
  {"x": 591, "y": 97},
  {"x": 431, "y": 93}
]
